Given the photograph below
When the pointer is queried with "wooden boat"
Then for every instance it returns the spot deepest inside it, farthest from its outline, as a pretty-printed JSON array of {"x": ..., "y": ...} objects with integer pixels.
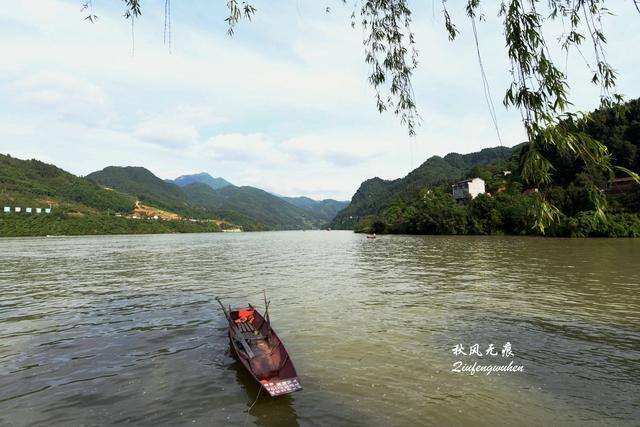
[{"x": 260, "y": 351}]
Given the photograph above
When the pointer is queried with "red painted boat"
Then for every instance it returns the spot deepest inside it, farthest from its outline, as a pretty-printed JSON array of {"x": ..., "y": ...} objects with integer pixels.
[{"x": 260, "y": 351}]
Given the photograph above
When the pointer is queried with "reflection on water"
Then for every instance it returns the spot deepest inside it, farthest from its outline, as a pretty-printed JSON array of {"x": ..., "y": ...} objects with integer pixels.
[
  {"x": 124, "y": 329},
  {"x": 264, "y": 410}
]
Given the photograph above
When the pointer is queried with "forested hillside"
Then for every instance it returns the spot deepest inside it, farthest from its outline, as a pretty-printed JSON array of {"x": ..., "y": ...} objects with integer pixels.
[
  {"x": 509, "y": 205},
  {"x": 145, "y": 186},
  {"x": 251, "y": 202},
  {"x": 82, "y": 204},
  {"x": 375, "y": 194},
  {"x": 36, "y": 184},
  {"x": 249, "y": 207}
]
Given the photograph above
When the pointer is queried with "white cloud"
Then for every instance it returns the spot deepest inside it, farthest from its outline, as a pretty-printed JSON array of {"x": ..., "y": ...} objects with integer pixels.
[
  {"x": 338, "y": 149},
  {"x": 247, "y": 149},
  {"x": 177, "y": 127},
  {"x": 65, "y": 96},
  {"x": 166, "y": 134}
]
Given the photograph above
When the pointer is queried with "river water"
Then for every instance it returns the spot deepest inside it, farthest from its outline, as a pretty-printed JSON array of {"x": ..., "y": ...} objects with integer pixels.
[{"x": 124, "y": 329}]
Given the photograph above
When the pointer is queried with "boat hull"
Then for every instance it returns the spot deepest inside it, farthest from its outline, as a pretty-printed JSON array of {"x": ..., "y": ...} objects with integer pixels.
[{"x": 270, "y": 364}]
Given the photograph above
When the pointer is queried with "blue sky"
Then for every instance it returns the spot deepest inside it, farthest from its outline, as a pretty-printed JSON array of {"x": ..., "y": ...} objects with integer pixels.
[{"x": 284, "y": 105}]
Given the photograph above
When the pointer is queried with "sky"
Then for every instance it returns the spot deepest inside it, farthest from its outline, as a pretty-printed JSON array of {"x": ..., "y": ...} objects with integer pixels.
[{"x": 283, "y": 105}]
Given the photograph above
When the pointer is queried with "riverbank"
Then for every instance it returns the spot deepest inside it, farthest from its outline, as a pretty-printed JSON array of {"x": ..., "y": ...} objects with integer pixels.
[
  {"x": 97, "y": 224},
  {"x": 506, "y": 213}
]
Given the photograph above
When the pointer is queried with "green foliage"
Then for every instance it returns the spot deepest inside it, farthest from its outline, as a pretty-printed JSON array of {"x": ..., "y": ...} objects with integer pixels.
[
  {"x": 588, "y": 224},
  {"x": 375, "y": 195},
  {"x": 12, "y": 225},
  {"x": 37, "y": 184},
  {"x": 436, "y": 212},
  {"x": 147, "y": 187},
  {"x": 570, "y": 204}
]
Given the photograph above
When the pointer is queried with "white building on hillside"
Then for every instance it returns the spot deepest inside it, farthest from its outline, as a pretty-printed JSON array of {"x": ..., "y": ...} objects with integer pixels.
[{"x": 472, "y": 187}]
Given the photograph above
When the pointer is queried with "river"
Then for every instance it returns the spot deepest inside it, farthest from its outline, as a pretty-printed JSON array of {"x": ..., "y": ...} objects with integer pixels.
[{"x": 124, "y": 329}]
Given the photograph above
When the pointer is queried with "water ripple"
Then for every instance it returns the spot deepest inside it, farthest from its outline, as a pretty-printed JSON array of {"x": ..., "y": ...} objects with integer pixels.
[{"x": 124, "y": 329}]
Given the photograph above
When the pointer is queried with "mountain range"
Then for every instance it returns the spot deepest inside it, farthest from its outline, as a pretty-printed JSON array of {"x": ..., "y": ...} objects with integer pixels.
[
  {"x": 123, "y": 189},
  {"x": 201, "y": 195},
  {"x": 203, "y": 177}
]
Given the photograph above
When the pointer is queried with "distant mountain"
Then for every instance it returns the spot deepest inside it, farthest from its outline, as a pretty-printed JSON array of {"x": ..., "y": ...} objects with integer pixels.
[
  {"x": 32, "y": 183},
  {"x": 254, "y": 203},
  {"x": 327, "y": 208},
  {"x": 205, "y": 178},
  {"x": 144, "y": 185},
  {"x": 375, "y": 194},
  {"x": 250, "y": 207}
]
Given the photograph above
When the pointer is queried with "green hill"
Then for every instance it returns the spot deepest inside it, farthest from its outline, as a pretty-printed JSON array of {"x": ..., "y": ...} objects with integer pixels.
[
  {"x": 203, "y": 195},
  {"x": 249, "y": 207},
  {"x": 254, "y": 203},
  {"x": 36, "y": 184},
  {"x": 422, "y": 203},
  {"x": 375, "y": 194},
  {"x": 327, "y": 209},
  {"x": 148, "y": 188}
]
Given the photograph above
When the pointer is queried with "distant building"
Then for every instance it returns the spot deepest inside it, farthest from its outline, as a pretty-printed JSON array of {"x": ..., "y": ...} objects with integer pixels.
[
  {"x": 38, "y": 210},
  {"x": 18, "y": 210},
  {"x": 622, "y": 185},
  {"x": 47, "y": 210},
  {"x": 29, "y": 210},
  {"x": 7, "y": 209},
  {"x": 471, "y": 187}
]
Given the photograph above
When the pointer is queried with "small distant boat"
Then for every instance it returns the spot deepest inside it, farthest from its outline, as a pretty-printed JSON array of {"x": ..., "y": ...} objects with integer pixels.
[
  {"x": 260, "y": 351},
  {"x": 373, "y": 236}
]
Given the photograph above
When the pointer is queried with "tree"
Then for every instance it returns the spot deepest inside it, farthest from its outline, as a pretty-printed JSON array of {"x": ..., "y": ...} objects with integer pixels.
[{"x": 539, "y": 89}]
